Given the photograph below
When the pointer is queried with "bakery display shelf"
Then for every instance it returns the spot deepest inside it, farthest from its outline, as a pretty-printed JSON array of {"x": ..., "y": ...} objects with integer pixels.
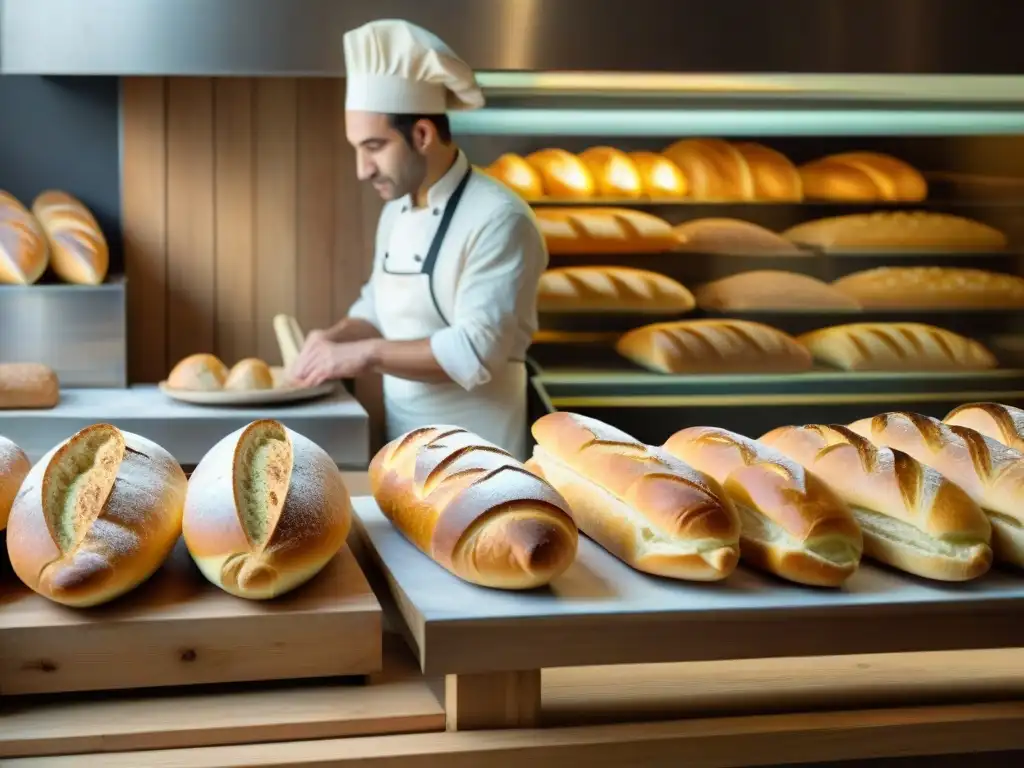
[{"x": 178, "y": 629}]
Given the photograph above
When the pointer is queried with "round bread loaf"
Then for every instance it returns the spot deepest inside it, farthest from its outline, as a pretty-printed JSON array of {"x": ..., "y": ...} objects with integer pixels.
[
  {"x": 249, "y": 374},
  {"x": 202, "y": 372},
  {"x": 96, "y": 516},
  {"x": 14, "y": 466},
  {"x": 266, "y": 511}
]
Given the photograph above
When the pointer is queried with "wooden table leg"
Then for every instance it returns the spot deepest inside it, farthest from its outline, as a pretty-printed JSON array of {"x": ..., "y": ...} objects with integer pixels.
[{"x": 492, "y": 700}]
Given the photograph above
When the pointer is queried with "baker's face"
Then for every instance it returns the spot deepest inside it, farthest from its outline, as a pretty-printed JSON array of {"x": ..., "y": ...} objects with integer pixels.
[{"x": 383, "y": 156}]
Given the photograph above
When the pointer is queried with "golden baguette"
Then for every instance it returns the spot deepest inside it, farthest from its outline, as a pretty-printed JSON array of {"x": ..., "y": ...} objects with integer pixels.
[
  {"x": 714, "y": 169},
  {"x": 569, "y": 231},
  {"x": 563, "y": 174},
  {"x": 862, "y": 176},
  {"x": 24, "y": 250},
  {"x": 78, "y": 249},
  {"x": 1003, "y": 423},
  {"x": 898, "y": 230},
  {"x": 932, "y": 288},
  {"x": 768, "y": 289},
  {"x": 611, "y": 289},
  {"x": 615, "y": 174}
]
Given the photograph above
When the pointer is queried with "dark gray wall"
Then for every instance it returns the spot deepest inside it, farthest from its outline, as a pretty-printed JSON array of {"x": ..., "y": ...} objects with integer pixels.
[{"x": 62, "y": 133}]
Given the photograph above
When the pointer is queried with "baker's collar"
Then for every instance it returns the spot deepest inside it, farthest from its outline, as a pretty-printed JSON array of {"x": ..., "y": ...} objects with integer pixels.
[{"x": 443, "y": 188}]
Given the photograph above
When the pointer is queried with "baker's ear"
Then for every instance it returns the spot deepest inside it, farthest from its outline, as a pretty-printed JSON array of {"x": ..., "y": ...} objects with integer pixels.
[{"x": 424, "y": 135}]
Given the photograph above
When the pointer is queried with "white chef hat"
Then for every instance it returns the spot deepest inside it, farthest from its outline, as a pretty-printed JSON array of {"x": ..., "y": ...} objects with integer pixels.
[{"x": 394, "y": 67}]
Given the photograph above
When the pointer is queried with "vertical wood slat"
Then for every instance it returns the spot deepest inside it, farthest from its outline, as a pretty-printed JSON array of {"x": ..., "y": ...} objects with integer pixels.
[
  {"x": 235, "y": 199},
  {"x": 190, "y": 218},
  {"x": 276, "y": 208},
  {"x": 144, "y": 223}
]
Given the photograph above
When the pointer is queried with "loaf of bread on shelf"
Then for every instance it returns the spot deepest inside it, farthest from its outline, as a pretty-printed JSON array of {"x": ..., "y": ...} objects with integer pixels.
[
  {"x": 647, "y": 508},
  {"x": 793, "y": 524},
  {"x": 898, "y": 231},
  {"x": 518, "y": 175},
  {"x": 78, "y": 249},
  {"x": 249, "y": 374},
  {"x": 24, "y": 251},
  {"x": 201, "y": 372},
  {"x": 912, "y": 517},
  {"x": 713, "y": 346},
  {"x": 733, "y": 236},
  {"x": 28, "y": 385},
  {"x": 991, "y": 473},
  {"x": 715, "y": 170},
  {"x": 933, "y": 288},
  {"x": 96, "y": 516},
  {"x": 1002, "y": 423},
  {"x": 473, "y": 508},
  {"x": 615, "y": 174},
  {"x": 14, "y": 467},
  {"x": 575, "y": 231},
  {"x": 862, "y": 176},
  {"x": 896, "y": 347},
  {"x": 266, "y": 510},
  {"x": 611, "y": 289},
  {"x": 661, "y": 177},
  {"x": 775, "y": 177},
  {"x": 770, "y": 289},
  {"x": 564, "y": 174}
]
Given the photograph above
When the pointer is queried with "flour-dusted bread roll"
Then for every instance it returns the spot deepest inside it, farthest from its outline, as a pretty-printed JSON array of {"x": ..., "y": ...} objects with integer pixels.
[
  {"x": 898, "y": 231},
  {"x": 249, "y": 374},
  {"x": 1002, "y": 423},
  {"x": 661, "y": 177},
  {"x": 896, "y": 347},
  {"x": 733, "y": 236},
  {"x": 775, "y": 177},
  {"x": 473, "y": 508},
  {"x": 912, "y": 517},
  {"x": 266, "y": 510},
  {"x": 96, "y": 516},
  {"x": 770, "y": 289},
  {"x": 714, "y": 168},
  {"x": 78, "y": 249},
  {"x": 575, "y": 231},
  {"x": 862, "y": 176},
  {"x": 200, "y": 372},
  {"x": 713, "y": 346},
  {"x": 518, "y": 175},
  {"x": 614, "y": 172},
  {"x": 565, "y": 175},
  {"x": 933, "y": 288},
  {"x": 611, "y": 289},
  {"x": 24, "y": 250},
  {"x": 647, "y": 508},
  {"x": 14, "y": 467},
  {"x": 793, "y": 524},
  {"x": 28, "y": 385},
  {"x": 991, "y": 473}
]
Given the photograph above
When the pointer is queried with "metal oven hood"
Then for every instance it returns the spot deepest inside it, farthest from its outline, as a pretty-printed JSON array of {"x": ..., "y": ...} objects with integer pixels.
[{"x": 303, "y": 37}]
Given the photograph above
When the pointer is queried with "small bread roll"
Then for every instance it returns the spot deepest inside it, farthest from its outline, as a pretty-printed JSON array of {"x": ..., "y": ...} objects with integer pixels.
[
  {"x": 565, "y": 176},
  {"x": 518, "y": 175},
  {"x": 714, "y": 168},
  {"x": 775, "y": 177},
  {"x": 28, "y": 385},
  {"x": 614, "y": 172},
  {"x": 266, "y": 510},
  {"x": 200, "y": 372},
  {"x": 96, "y": 516},
  {"x": 661, "y": 177},
  {"x": 14, "y": 466},
  {"x": 249, "y": 374}
]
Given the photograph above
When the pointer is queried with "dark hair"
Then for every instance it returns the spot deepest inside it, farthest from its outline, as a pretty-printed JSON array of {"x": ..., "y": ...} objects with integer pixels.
[{"x": 405, "y": 123}]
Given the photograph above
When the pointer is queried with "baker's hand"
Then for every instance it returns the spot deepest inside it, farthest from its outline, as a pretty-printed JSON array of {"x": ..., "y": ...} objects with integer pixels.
[{"x": 322, "y": 360}]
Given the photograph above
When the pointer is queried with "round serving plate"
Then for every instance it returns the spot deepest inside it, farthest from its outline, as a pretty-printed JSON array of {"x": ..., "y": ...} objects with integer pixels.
[{"x": 281, "y": 393}]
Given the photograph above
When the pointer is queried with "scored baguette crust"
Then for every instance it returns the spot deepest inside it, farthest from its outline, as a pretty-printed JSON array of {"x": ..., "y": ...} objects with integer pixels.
[
  {"x": 78, "y": 249},
  {"x": 574, "y": 231},
  {"x": 28, "y": 385},
  {"x": 862, "y": 176},
  {"x": 733, "y": 236},
  {"x": 774, "y": 175},
  {"x": 714, "y": 168},
  {"x": 794, "y": 525},
  {"x": 564, "y": 175},
  {"x": 614, "y": 172},
  {"x": 896, "y": 347},
  {"x": 24, "y": 251},
  {"x": 1002, "y": 423},
  {"x": 249, "y": 374},
  {"x": 199, "y": 372},
  {"x": 932, "y": 288},
  {"x": 648, "y": 509},
  {"x": 767, "y": 289},
  {"x": 912, "y": 518},
  {"x": 898, "y": 230},
  {"x": 611, "y": 289},
  {"x": 266, "y": 510},
  {"x": 96, "y": 516},
  {"x": 990, "y": 473},
  {"x": 14, "y": 467},
  {"x": 661, "y": 177},
  {"x": 473, "y": 508},
  {"x": 713, "y": 346},
  {"x": 518, "y": 175}
]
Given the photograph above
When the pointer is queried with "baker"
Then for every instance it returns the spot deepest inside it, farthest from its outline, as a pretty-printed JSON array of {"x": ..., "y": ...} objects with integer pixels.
[{"x": 450, "y": 308}]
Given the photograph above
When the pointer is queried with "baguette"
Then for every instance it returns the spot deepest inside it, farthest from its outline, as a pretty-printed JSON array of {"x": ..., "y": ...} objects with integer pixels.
[
  {"x": 28, "y": 385},
  {"x": 991, "y": 473},
  {"x": 733, "y": 236},
  {"x": 862, "y": 176},
  {"x": 611, "y": 289},
  {"x": 518, "y": 175},
  {"x": 266, "y": 510},
  {"x": 473, "y": 509},
  {"x": 896, "y": 347},
  {"x": 1002, "y": 423},
  {"x": 793, "y": 524},
  {"x": 78, "y": 249},
  {"x": 913, "y": 518},
  {"x": 768, "y": 289},
  {"x": 648, "y": 509},
  {"x": 615, "y": 174},
  {"x": 248, "y": 375},
  {"x": 932, "y": 288},
  {"x": 96, "y": 516},
  {"x": 898, "y": 230},
  {"x": 714, "y": 168},
  {"x": 713, "y": 346},
  {"x": 564, "y": 175},
  {"x": 775, "y": 178},
  {"x": 14, "y": 467},
  {"x": 200, "y": 372},
  {"x": 24, "y": 251},
  {"x": 661, "y": 177},
  {"x": 574, "y": 231}
]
